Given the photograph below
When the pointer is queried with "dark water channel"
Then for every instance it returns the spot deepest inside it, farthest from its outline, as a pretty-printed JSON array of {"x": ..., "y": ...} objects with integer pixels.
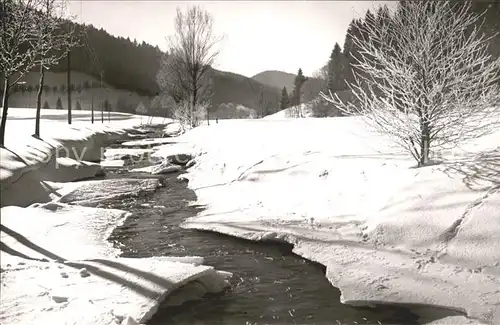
[{"x": 270, "y": 285}]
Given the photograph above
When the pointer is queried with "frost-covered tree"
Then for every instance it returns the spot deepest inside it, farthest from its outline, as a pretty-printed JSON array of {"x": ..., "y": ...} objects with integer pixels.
[
  {"x": 425, "y": 77},
  {"x": 17, "y": 56},
  {"x": 185, "y": 72},
  {"x": 52, "y": 42}
]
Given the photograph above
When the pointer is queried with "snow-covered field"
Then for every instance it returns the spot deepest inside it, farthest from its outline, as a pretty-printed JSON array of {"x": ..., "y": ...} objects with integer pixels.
[
  {"x": 56, "y": 264},
  {"x": 347, "y": 198}
]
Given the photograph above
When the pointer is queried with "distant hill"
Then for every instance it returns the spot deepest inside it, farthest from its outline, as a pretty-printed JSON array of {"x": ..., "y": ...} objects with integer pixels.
[
  {"x": 129, "y": 73},
  {"x": 280, "y": 79},
  {"x": 228, "y": 88},
  {"x": 277, "y": 79},
  {"x": 234, "y": 88},
  {"x": 128, "y": 70}
]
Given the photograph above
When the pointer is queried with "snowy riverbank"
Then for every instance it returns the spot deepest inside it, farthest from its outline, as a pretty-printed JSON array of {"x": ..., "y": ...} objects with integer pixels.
[
  {"x": 387, "y": 232},
  {"x": 57, "y": 266},
  {"x": 65, "y": 153}
]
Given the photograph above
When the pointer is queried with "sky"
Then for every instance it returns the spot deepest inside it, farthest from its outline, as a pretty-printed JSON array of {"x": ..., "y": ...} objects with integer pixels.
[{"x": 257, "y": 35}]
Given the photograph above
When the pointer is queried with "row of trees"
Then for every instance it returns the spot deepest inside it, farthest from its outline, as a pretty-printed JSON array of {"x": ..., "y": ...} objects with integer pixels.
[
  {"x": 425, "y": 75},
  {"x": 33, "y": 35},
  {"x": 340, "y": 69},
  {"x": 121, "y": 62},
  {"x": 86, "y": 85},
  {"x": 36, "y": 37}
]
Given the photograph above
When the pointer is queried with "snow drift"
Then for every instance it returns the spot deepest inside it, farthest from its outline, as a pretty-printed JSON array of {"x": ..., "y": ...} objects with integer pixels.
[
  {"x": 347, "y": 198},
  {"x": 65, "y": 154},
  {"x": 57, "y": 267}
]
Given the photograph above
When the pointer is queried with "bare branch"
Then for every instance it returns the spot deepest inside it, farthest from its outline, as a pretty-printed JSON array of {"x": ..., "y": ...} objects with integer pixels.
[{"x": 185, "y": 71}]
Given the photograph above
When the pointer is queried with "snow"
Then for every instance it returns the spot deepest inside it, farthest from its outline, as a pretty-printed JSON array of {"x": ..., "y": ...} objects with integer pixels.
[
  {"x": 146, "y": 143},
  {"x": 303, "y": 110},
  {"x": 349, "y": 199},
  {"x": 343, "y": 196},
  {"x": 83, "y": 230},
  {"x": 116, "y": 290},
  {"x": 62, "y": 155},
  {"x": 173, "y": 129},
  {"x": 163, "y": 168},
  {"x": 91, "y": 193},
  {"x": 58, "y": 268},
  {"x": 122, "y": 153}
]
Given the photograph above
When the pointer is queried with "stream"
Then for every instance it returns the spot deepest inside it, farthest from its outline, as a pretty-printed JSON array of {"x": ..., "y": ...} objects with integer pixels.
[{"x": 270, "y": 284}]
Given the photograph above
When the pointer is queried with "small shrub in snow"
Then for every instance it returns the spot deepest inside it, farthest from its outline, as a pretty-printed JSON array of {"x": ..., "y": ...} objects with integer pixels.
[{"x": 189, "y": 119}]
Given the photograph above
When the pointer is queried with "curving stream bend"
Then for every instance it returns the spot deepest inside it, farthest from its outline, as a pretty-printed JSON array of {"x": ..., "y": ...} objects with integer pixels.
[{"x": 270, "y": 284}]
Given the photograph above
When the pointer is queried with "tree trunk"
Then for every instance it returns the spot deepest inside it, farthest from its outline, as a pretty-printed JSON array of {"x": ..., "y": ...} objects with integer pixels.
[
  {"x": 5, "y": 104},
  {"x": 39, "y": 101},
  {"x": 102, "y": 103},
  {"x": 193, "y": 107},
  {"x": 92, "y": 108},
  {"x": 208, "y": 115},
  {"x": 424, "y": 144},
  {"x": 69, "y": 87}
]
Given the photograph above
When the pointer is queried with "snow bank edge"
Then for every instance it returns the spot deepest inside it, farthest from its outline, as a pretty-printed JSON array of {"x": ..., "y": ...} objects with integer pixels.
[
  {"x": 37, "y": 162},
  {"x": 362, "y": 294}
]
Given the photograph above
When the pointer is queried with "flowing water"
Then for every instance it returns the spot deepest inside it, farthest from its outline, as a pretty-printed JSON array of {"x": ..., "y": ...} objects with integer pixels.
[{"x": 270, "y": 285}]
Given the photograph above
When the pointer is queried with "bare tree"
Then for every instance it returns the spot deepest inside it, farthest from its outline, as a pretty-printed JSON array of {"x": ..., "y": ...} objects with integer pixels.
[
  {"x": 185, "y": 71},
  {"x": 17, "y": 54},
  {"x": 426, "y": 78},
  {"x": 53, "y": 41}
]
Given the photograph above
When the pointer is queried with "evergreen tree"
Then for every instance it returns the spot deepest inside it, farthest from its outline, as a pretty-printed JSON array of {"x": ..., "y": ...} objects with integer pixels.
[
  {"x": 285, "y": 101},
  {"x": 46, "y": 105},
  {"x": 348, "y": 43},
  {"x": 78, "y": 106},
  {"x": 59, "y": 103},
  {"x": 299, "y": 82},
  {"x": 336, "y": 70},
  {"x": 357, "y": 30}
]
